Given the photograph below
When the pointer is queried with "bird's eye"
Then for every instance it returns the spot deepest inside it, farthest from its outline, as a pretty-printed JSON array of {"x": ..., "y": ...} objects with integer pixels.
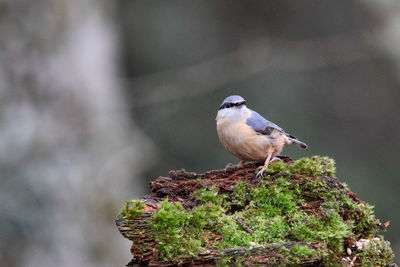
[{"x": 229, "y": 105}]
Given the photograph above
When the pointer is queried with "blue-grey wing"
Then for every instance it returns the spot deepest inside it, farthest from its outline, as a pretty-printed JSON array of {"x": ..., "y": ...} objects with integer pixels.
[{"x": 262, "y": 125}]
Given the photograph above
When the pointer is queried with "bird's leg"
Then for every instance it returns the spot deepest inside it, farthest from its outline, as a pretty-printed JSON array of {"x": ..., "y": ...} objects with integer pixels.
[
  {"x": 235, "y": 166},
  {"x": 229, "y": 166},
  {"x": 241, "y": 164},
  {"x": 266, "y": 163}
]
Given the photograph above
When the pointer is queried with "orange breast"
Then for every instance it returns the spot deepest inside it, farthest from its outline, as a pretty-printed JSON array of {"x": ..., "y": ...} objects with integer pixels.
[{"x": 246, "y": 144}]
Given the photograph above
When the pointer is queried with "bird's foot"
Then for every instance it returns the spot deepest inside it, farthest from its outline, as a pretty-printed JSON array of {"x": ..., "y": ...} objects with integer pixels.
[
  {"x": 241, "y": 164},
  {"x": 265, "y": 166},
  {"x": 230, "y": 166},
  {"x": 275, "y": 159},
  {"x": 261, "y": 171}
]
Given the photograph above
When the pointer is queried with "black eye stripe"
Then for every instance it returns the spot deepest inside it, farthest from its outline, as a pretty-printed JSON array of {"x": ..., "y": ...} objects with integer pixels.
[{"x": 229, "y": 105}]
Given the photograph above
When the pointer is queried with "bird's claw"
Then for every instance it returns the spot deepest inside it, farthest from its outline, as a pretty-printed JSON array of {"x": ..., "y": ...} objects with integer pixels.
[
  {"x": 275, "y": 159},
  {"x": 261, "y": 171}
]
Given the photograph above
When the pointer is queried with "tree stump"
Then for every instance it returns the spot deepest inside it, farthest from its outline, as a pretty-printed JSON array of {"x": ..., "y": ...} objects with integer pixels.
[{"x": 298, "y": 213}]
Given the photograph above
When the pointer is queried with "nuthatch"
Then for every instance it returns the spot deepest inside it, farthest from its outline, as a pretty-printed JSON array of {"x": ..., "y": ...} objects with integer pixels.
[{"x": 248, "y": 135}]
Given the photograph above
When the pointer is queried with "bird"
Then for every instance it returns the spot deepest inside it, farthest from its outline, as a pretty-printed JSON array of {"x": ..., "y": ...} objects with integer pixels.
[{"x": 249, "y": 136}]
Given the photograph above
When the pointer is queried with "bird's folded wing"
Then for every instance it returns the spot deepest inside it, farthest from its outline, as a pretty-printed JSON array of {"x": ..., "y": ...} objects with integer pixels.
[{"x": 261, "y": 125}]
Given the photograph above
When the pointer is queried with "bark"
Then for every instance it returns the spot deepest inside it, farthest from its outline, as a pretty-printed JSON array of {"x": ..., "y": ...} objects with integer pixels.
[{"x": 178, "y": 187}]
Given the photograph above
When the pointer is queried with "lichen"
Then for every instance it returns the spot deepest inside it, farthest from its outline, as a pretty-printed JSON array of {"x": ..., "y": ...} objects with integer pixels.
[{"x": 292, "y": 202}]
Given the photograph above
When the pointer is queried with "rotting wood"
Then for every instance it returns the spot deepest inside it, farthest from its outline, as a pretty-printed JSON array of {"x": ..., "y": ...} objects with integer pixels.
[
  {"x": 179, "y": 186},
  {"x": 135, "y": 230}
]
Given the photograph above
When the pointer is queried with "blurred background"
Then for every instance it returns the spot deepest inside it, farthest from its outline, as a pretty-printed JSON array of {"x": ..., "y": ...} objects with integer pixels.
[{"x": 99, "y": 97}]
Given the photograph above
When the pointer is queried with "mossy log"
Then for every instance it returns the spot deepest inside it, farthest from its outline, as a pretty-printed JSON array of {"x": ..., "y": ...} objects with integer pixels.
[{"x": 298, "y": 213}]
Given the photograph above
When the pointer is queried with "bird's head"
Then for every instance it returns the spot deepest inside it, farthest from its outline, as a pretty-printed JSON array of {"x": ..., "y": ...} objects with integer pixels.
[{"x": 232, "y": 106}]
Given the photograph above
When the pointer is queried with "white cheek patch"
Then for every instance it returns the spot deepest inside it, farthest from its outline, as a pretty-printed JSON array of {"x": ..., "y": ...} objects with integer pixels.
[{"x": 232, "y": 115}]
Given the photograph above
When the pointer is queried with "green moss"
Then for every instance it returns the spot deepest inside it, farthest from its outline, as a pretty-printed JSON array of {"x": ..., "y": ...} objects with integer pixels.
[
  {"x": 276, "y": 198},
  {"x": 175, "y": 233},
  {"x": 272, "y": 231},
  {"x": 365, "y": 223},
  {"x": 313, "y": 166},
  {"x": 232, "y": 234},
  {"x": 132, "y": 209},
  {"x": 302, "y": 252},
  {"x": 329, "y": 229},
  {"x": 224, "y": 261},
  {"x": 375, "y": 253},
  {"x": 277, "y": 167},
  {"x": 206, "y": 195},
  {"x": 295, "y": 255},
  {"x": 231, "y": 261},
  {"x": 240, "y": 195},
  {"x": 273, "y": 210}
]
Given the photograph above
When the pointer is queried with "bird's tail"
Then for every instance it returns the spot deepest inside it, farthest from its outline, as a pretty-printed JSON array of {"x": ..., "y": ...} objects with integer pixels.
[{"x": 297, "y": 142}]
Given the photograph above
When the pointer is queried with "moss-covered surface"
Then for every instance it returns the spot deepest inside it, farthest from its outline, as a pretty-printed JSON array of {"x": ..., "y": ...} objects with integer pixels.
[
  {"x": 132, "y": 209},
  {"x": 299, "y": 201},
  {"x": 377, "y": 252},
  {"x": 295, "y": 255}
]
